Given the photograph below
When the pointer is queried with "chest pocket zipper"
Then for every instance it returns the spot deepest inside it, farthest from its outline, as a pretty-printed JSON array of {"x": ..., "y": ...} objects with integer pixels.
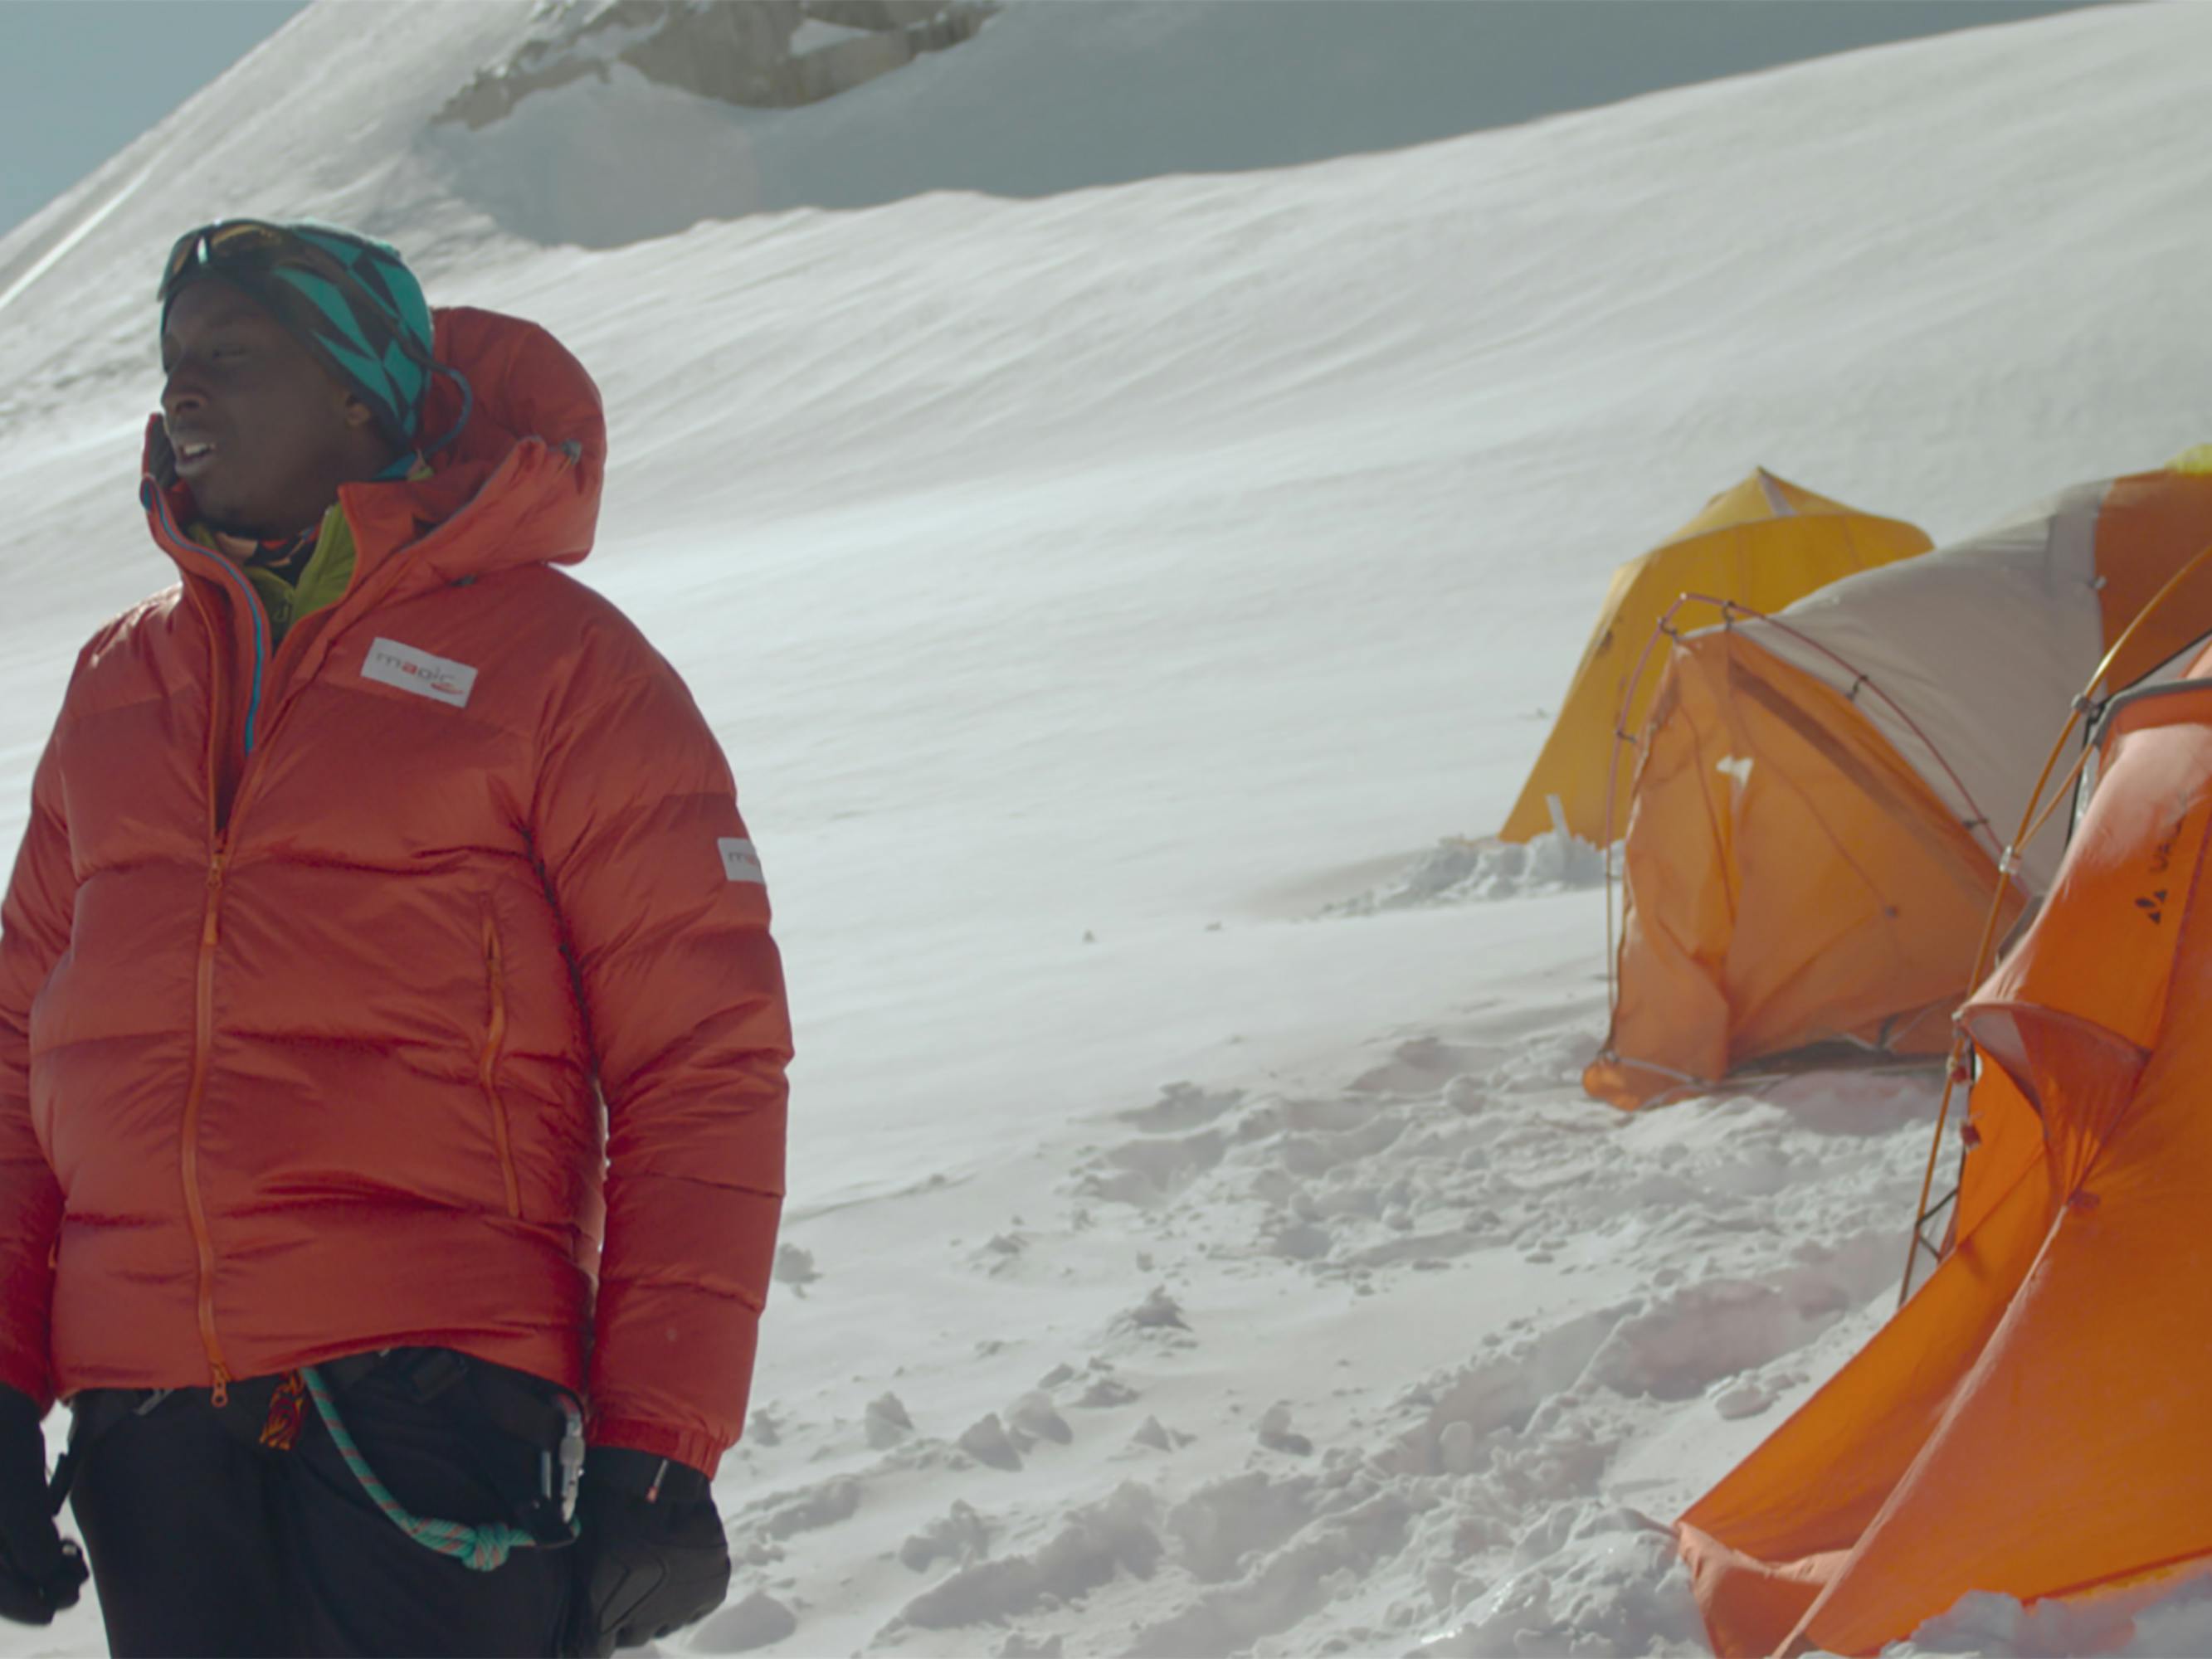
[{"x": 488, "y": 1066}]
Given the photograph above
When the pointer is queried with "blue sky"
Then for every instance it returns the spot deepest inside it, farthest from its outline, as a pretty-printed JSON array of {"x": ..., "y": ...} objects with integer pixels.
[{"x": 80, "y": 79}]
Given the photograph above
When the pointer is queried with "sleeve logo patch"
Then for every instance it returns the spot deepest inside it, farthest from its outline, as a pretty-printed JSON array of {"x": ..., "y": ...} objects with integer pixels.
[
  {"x": 740, "y": 862},
  {"x": 390, "y": 663}
]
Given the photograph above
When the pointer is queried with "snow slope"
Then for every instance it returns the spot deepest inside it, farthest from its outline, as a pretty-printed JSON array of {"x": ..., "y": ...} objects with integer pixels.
[{"x": 1105, "y": 594}]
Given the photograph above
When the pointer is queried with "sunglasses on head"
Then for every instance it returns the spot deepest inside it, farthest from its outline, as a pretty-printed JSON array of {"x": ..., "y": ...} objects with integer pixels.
[
  {"x": 243, "y": 241},
  {"x": 255, "y": 246}
]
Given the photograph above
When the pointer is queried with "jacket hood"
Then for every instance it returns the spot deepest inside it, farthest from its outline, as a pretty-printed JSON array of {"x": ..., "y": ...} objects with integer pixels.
[{"x": 518, "y": 484}]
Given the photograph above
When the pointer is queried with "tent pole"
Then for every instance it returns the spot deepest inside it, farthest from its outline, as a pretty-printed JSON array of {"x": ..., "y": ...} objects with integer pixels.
[
  {"x": 2007, "y": 867},
  {"x": 1621, "y": 736}
]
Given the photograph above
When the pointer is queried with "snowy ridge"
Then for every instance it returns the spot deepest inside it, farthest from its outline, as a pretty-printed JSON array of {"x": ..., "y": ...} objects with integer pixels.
[{"x": 1093, "y": 584}]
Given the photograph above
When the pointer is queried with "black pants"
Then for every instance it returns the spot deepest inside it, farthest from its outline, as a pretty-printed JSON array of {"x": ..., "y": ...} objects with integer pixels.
[{"x": 205, "y": 1541}]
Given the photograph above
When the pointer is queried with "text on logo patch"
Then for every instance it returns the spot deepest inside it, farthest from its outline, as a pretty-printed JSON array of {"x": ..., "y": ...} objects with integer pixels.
[
  {"x": 390, "y": 662},
  {"x": 739, "y": 861}
]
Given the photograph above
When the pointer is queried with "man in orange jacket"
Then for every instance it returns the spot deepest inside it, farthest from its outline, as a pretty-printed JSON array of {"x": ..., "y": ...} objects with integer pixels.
[{"x": 391, "y": 1043}]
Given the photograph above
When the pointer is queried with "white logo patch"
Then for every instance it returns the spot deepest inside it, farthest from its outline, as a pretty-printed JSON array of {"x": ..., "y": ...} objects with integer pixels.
[
  {"x": 390, "y": 662},
  {"x": 739, "y": 861}
]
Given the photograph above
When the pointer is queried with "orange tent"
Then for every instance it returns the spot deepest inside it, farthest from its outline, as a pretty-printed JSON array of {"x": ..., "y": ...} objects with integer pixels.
[
  {"x": 1762, "y": 543},
  {"x": 2034, "y": 1422},
  {"x": 1825, "y": 795}
]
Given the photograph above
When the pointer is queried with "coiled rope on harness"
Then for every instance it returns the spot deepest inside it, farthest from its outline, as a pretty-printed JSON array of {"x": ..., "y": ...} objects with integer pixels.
[{"x": 480, "y": 1549}]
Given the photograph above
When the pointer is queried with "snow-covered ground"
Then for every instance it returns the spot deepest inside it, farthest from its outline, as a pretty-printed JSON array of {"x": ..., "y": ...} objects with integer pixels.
[{"x": 1114, "y": 600}]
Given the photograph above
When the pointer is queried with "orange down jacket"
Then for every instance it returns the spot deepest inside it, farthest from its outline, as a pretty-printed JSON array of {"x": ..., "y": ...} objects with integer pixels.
[{"x": 379, "y": 988}]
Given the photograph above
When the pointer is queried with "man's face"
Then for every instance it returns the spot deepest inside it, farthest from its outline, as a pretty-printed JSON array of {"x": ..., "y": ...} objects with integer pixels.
[{"x": 262, "y": 433}]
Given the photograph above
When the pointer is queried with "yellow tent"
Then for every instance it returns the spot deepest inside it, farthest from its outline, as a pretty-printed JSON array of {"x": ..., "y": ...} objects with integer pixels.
[{"x": 1765, "y": 543}]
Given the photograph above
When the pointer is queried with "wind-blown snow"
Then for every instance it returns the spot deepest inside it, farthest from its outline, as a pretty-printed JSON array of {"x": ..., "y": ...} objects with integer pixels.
[
  {"x": 1095, "y": 588},
  {"x": 1458, "y": 869}
]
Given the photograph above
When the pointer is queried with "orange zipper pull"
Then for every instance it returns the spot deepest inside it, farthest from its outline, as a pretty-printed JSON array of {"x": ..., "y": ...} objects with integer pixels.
[{"x": 219, "y": 1395}]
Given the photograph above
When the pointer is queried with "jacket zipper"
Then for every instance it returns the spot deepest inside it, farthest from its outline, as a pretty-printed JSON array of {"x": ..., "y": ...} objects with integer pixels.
[
  {"x": 488, "y": 1069},
  {"x": 220, "y": 827},
  {"x": 194, "y": 1205}
]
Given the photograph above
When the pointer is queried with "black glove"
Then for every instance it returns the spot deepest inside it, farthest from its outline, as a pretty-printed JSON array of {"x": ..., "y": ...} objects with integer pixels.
[
  {"x": 40, "y": 1572},
  {"x": 651, "y": 1557}
]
